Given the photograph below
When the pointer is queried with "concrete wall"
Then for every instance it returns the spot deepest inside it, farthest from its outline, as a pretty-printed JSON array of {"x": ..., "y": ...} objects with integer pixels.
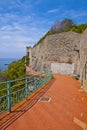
[{"x": 62, "y": 68}]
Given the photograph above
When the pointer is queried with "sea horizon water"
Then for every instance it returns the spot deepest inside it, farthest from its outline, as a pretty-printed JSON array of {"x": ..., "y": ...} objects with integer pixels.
[{"x": 4, "y": 62}]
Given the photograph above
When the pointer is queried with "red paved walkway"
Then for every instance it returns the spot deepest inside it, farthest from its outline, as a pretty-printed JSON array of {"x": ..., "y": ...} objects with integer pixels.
[{"x": 67, "y": 109}]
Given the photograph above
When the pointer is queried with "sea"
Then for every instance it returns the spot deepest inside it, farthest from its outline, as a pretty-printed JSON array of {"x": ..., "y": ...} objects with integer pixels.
[{"x": 4, "y": 62}]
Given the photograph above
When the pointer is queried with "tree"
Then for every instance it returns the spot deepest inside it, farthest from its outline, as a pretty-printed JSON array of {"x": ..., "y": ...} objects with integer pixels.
[
  {"x": 15, "y": 70},
  {"x": 61, "y": 26},
  {"x": 67, "y": 23},
  {"x": 56, "y": 27}
]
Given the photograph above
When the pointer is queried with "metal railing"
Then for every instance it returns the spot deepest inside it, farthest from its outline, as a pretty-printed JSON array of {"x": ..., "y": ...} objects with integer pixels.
[{"x": 14, "y": 91}]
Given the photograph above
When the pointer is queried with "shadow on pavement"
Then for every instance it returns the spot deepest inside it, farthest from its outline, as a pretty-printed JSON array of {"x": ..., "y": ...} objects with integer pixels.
[{"x": 8, "y": 119}]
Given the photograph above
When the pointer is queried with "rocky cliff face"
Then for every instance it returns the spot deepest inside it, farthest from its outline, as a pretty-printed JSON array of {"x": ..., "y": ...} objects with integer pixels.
[{"x": 67, "y": 47}]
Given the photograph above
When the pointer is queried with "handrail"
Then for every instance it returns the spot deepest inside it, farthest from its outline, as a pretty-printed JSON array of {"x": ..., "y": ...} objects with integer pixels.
[
  {"x": 12, "y": 80},
  {"x": 14, "y": 91}
]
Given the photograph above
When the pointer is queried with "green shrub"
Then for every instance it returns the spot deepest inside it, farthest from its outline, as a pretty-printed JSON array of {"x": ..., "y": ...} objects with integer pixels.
[{"x": 15, "y": 70}]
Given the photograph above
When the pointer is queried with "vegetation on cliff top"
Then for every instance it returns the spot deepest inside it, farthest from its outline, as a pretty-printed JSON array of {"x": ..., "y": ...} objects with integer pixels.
[
  {"x": 65, "y": 25},
  {"x": 15, "y": 70}
]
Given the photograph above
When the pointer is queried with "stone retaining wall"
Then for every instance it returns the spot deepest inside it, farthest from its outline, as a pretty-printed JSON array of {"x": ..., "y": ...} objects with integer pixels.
[{"x": 67, "y": 47}]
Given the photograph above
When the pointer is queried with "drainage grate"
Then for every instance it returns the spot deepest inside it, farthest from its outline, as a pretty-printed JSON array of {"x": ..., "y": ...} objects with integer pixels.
[{"x": 45, "y": 99}]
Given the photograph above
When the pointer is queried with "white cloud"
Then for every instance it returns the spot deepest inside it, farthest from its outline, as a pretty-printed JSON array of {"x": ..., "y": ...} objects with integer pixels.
[
  {"x": 79, "y": 14},
  {"x": 53, "y": 10},
  {"x": 14, "y": 39},
  {"x": 6, "y": 28},
  {"x": 24, "y": 24},
  {"x": 74, "y": 13}
]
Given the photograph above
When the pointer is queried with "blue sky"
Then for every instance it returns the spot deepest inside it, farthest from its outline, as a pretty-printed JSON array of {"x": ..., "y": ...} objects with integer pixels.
[{"x": 24, "y": 22}]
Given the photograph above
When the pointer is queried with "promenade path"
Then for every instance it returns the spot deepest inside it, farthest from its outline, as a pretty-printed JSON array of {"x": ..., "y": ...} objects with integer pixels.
[{"x": 66, "y": 109}]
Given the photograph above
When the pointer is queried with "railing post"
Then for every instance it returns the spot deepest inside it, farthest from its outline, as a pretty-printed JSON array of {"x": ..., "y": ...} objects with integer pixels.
[
  {"x": 46, "y": 77},
  {"x": 9, "y": 96},
  {"x": 50, "y": 74},
  {"x": 35, "y": 85},
  {"x": 26, "y": 93},
  {"x": 41, "y": 82}
]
